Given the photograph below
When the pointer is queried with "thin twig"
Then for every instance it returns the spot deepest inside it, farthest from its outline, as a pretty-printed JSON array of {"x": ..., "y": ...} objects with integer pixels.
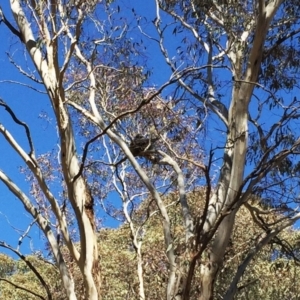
[{"x": 10, "y": 111}]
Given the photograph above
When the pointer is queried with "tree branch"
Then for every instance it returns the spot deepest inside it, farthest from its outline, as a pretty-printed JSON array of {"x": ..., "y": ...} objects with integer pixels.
[
  {"x": 31, "y": 153},
  {"x": 188, "y": 220},
  {"x": 10, "y": 27},
  {"x": 30, "y": 266},
  {"x": 262, "y": 242},
  {"x": 33, "y": 166},
  {"x": 43, "y": 224},
  {"x": 22, "y": 288}
]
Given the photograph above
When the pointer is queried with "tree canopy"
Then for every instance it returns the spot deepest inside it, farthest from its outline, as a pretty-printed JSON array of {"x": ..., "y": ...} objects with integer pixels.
[{"x": 176, "y": 119}]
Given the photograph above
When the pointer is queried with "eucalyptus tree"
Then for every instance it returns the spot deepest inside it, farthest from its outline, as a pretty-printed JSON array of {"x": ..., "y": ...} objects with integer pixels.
[
  {"x": 224, "y": 122},
  {"x": 238, "y": 61}
]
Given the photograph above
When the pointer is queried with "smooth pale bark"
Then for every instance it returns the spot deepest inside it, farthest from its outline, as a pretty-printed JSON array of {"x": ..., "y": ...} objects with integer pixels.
[
  {"x": 232, "y": 173},
  {"x": 67, "y": 279},
  {"x": 78, "y": 193}
]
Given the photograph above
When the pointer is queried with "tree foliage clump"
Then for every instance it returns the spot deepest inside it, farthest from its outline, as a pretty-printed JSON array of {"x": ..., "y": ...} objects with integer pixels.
[{"x": 273, "y": 274}]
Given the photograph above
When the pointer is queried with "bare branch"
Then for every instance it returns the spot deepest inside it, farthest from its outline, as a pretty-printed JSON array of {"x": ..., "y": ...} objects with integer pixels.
[
  {"x": 30, "y": 76},
  {"x": 30, "y": 266},
  {"x": 25, "y": 233},
  {"x": 188, "y": 220},
  {"x": 33, "y": 165},
  {"x": 24, "y": 85},
  {"x": 22, "y": 288},
  {"x": 43, "y": 223},
  {"x": 31, "y": 153},
  {"x": 10, "y": 27}
]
